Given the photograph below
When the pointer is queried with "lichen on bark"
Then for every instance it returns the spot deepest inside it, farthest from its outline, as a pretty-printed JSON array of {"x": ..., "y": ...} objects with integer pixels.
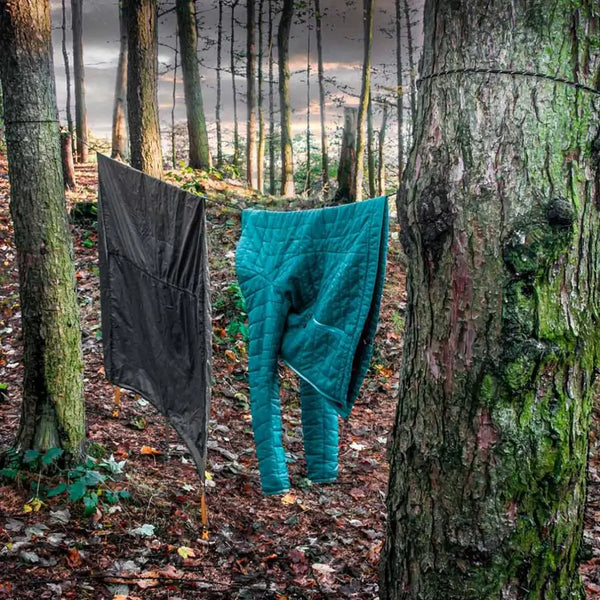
[{"x": 499, "y": 218}]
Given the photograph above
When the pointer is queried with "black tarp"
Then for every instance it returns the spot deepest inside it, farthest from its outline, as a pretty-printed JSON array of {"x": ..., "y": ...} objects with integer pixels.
[{"x": 155, "y": 297}]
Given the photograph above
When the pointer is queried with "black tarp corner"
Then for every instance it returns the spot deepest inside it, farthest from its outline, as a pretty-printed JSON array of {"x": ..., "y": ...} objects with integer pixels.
[{"x": 155, "y": 297}]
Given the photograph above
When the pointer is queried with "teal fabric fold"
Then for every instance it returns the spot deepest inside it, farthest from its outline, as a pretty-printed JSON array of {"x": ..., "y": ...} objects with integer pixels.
[{"x": 312, "y": 281}]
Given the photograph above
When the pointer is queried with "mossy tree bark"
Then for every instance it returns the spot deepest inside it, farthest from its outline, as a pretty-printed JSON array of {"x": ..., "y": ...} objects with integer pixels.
[
  {"x": 283, "y": 43},
  {"x": 346, "y": 179},
  {"x": 52, "y": 410},
  {"x": 199, "y": 152},
  {"x": 499, "y": 216},
  {"x": 142, "y": 74}
]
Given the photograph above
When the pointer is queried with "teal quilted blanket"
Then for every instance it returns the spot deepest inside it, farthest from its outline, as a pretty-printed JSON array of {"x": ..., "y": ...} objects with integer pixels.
[{"x": 312, "y": 281}]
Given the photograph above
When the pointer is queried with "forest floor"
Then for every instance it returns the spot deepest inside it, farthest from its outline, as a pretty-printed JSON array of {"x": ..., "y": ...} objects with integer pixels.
[{"x": 143, "y": 537}]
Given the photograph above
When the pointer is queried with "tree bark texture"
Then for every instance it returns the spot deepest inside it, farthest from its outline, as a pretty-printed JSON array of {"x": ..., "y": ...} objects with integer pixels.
[
  {"x": 199, "y": 152},
  {"x": 321, "y": 79},
  {"x": 236, "y": 135},
  {"x": 52, "y": 410},
  {"x": 250, "y": 92},
  {"x": 119, "y": 126},
  {"x": 499, "y": 218},
  {"x": 66, "y": 155},
  {"x": 411, "y": 64},
  {"x": 271, "y": 105},
  {"x": 364, "y": 97},
  {"x": 283, "y": 42},
  {"x": 142, "y": 74},
  {"x": 346, "y": 191},
  {"x": 79, "y": 78},
  {"x": 371, "y": 148}
]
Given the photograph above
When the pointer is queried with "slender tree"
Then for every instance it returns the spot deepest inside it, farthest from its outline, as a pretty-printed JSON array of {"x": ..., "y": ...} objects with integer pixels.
[
  {"x": 346, "y": 178},
  {"x": 236, "y": 135},
  {"x": 219, "y": 85},
  {"x": 321, "y": 79},
  {"x": 400, "y": 91},
  {"x": 271, "y": 104},
  {"x": 79, "y": 76},
  {"x": 499, "y": 219},
  {"x": 260, "y": 154},
  {"x": 371, "y": 148},
  {"x": 52, "y": 411},
  {"x": 283, "y": 42},
  {"x": 364, "y": 96},
  {"x": 411, "y": 64},
  {"x": 142, "y": 74},
  {"x": 381, "y": 151},
  {"x": 250, "y": 91},
  {"x": 199, "y": 152},
  {"x": 119, "y": 125},
  {"x": 307, "y": 182},
  {"x": 65, "y": 54},
  {"x": 174, "y": 102}
]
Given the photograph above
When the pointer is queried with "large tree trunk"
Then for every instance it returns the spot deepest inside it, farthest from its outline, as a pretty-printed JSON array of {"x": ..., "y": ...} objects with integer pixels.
[
  {"x": 364, "y": 97},
  {"x": 321, "y": 78},
  {"x": 250, "y": 92},
  {"x": 79, "y": 77},
  {"x": 119, "y": 127},
  {"x": 283, "y": 42},
  {"x": 499, "y": 216},
  {"x": 199, "y": 152},
  {"x": 52, "y": 413},
  {"x": 142, "y": 74}
]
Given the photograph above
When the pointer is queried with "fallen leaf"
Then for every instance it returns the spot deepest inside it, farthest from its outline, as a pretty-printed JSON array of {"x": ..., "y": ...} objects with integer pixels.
[
  {"x": 145, "y": 530},
  {"x": 323, "y": 569},
  {"x": 148, "y": 450},
  {"x": 185, "y": 552},
  {"x": 288, "y": 499},
  {"x": 230, "y": 355},
  {"x": 74, "y": 558},
  {"x": 357, "y": 493}
]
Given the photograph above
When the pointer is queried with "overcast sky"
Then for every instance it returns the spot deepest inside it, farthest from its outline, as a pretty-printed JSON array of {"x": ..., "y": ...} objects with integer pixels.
[{"x": 342, "y": 49}]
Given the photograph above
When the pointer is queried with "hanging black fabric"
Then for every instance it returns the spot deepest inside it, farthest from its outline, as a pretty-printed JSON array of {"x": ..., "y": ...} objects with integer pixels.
[{"x": 155, "y": 297}]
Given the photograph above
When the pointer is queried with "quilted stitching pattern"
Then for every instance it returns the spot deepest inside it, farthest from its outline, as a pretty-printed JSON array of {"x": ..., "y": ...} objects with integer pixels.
[{"x": 312, "y": 281}]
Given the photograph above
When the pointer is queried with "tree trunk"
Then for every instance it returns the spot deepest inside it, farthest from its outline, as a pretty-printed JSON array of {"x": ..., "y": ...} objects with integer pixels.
[
  {"x": 52, "y": 412},
  {"x": 119, "y": 128},
  {"x": 364, "y": 97},
  {"x": 499, "y": 217},
  {"x": 142, "y": 73},
  {"x": 307, "y": 181},
  {"x": 411, "y": 64},
  {"x": 321, "y": 78},
  {"x": 371, "y": 148},
  {"x": 199, "y": 152},
  {"x": 219, "y": 78},
  {"x": 283, "y": 43},
  {"x": 260, "y": 158},
  {"x": 236, "y": 135},
  {"x": 250, "y": 92},
  {"x": 66, "y": 157},
  {"x": 381, "y": 149},
  {"x": 174, "y": 102},
  {"x": 346, "y": 191},
  {"x": 65, "y": 54},
  {"x": 271, "y": 106},
  {"x": 79, "y": 76},
  {"x": 400, "y": 91}
]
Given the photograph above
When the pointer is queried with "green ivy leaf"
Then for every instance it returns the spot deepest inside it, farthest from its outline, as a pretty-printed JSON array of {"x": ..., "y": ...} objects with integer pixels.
[
  {"x": 9, "y": 473},
  {"x": 90, "y": 502},
  {"x": 59, "y": 489},
  {"x": 93, "y": 478},
  {"x": 124, "y": 494},
  {"x": 31, "y": 456},
  {"x": 77, "y": 490},
  {"x": 51, "y": 455}
]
